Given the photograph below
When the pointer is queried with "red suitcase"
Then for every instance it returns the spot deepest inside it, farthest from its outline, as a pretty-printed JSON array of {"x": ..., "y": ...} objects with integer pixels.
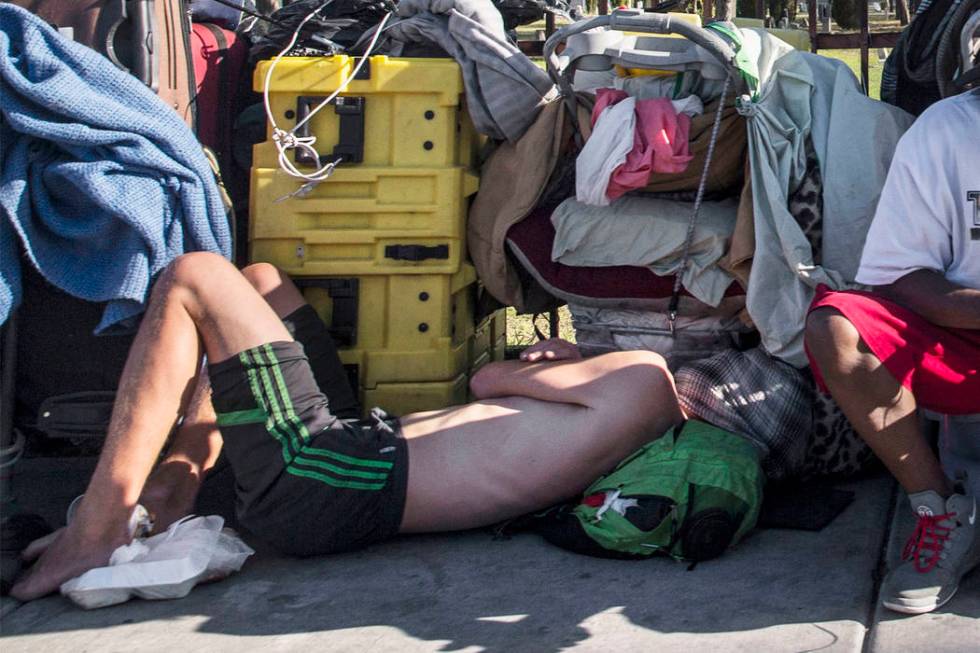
[
  {"x": 219, "y": 59},
  {"x": 148, "y": 38}
]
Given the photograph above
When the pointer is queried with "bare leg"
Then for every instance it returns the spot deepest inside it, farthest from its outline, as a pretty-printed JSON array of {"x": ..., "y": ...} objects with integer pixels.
[
  {"x": 172, "y": 488},
  {"x": 880, "y": 409},
  {"x": 275, "y": 287},
  {"x": 542, "y": 434},
  {"x": 200, "y": 297}
]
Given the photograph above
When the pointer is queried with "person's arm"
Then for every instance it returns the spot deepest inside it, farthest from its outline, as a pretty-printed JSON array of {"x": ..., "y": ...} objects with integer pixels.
[
  {"x": 935, "y": 298},
  {"x": 565, "y": 377},
  {"x": 497, "y": 379}
]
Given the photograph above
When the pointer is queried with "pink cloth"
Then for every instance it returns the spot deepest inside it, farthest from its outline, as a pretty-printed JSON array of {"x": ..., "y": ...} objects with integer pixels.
[{"x": 660, "y": 141}]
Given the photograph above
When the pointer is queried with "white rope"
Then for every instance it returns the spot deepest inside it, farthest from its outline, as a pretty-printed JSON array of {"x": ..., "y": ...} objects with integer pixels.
[{"x": 288, "y": 140}]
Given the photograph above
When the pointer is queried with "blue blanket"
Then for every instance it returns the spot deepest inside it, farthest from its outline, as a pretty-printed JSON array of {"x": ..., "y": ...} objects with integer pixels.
[{"x": 101, "y": 183}]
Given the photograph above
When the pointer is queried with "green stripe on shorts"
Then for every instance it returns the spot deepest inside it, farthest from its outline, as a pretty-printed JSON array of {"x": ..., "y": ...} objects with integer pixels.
[
  {"x": 340, "y": 471},
  {"x": 323, "y": 478},
  {"x": 350, "y": 460},
  {"x": 237, "y": 417},
  {"x": 276, "y": 409}
]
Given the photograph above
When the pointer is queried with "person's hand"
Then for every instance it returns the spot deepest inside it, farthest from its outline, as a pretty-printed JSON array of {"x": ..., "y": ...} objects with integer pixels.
[{"x": 552, "y": 349}]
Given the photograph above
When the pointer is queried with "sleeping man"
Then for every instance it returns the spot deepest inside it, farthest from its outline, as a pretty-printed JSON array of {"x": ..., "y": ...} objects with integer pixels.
[
  {"x": 915, "y": 340},
  {"x": 309, "y": 482}
]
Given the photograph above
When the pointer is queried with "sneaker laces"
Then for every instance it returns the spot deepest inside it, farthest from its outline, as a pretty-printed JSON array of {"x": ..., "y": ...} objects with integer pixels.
[
  {"x": 380, "y": 418},
  {"x": 929, "y": 537}
]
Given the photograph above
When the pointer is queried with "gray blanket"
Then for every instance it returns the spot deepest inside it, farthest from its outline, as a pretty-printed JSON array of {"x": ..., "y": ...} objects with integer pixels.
[{"x": 504, "y": 89}]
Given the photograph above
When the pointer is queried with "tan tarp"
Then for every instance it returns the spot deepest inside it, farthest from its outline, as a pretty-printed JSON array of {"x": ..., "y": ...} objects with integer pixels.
[{"x": 511, "y": 183}]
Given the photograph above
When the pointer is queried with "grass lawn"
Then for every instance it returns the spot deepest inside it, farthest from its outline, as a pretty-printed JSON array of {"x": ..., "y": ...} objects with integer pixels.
[
  {"x": 853, "y": 59},
  {"x": 520, "y": 328}
]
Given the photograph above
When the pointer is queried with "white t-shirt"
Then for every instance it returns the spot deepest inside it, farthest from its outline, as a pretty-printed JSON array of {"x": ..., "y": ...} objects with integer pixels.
[{"x": 928, "y": 216}]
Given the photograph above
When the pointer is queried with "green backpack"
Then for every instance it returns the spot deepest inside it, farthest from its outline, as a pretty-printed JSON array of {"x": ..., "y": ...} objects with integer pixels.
[{"x": 689, "y": 494}]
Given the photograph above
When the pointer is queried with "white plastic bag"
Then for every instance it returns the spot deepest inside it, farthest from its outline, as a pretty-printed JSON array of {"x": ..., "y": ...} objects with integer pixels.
[{"x": 165, "y": 566}]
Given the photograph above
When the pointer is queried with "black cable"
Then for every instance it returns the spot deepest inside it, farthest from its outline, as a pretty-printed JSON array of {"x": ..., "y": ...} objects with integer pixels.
[
  {"x": 254, "y": 14},
  {"x": 948, "y": 50}
]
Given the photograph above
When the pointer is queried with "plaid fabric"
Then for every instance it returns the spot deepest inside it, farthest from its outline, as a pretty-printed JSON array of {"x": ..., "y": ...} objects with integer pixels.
[{"x": 759, "y": 397}]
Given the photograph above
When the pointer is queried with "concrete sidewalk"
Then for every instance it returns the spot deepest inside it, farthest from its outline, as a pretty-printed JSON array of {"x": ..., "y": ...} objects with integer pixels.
[{"x": 780, "y": 590}]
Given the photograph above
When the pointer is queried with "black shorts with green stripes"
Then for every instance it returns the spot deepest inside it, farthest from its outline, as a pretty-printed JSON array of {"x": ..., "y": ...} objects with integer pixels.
[{"x": 306, "y": 482}]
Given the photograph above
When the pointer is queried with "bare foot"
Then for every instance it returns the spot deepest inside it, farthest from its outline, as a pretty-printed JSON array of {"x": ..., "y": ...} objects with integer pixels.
[
  {"x": 170, "y": 492},
  {"x": 63, "y": 555}
]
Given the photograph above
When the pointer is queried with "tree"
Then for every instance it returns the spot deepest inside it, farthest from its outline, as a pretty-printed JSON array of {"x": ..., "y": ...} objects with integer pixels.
[
  {"x": 902, "y": 11},
  {"x": 846, "y": 13},
  {"x": 725, "y": 9}
]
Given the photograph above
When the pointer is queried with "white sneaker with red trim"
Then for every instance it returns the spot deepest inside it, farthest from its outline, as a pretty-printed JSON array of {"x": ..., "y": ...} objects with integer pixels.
[{"x": 943, "y": 548}]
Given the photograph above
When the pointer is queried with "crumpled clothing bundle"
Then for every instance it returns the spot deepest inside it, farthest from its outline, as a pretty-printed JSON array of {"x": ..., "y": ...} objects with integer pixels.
[
  {"x": 655, "y": 140},
  {"x": 165, "y": 566},
  {"x": 102, "y": 184}
]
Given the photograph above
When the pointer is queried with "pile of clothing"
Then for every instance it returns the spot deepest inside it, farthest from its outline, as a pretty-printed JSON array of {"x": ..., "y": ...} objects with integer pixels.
[{"x": 610, "y": 190}]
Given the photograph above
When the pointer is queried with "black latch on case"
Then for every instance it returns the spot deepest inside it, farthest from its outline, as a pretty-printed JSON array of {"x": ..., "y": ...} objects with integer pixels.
[
  {"x": 343, "y": 293},
  {"x": 416, "y": 252},
  {"x": 365, "y": 71},
  {"x": 350, "y": 140},
  {"x": 350, "y": 145}
]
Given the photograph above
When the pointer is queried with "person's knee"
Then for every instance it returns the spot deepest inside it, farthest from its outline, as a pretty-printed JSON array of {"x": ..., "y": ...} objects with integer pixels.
[
  {"x": 188, "y": 272},
  {"x": 191, "y": 277},
  {"x": 275, "y": 287},
  {"x": 264, "y": 277},
  {"x": 830, "y": 337},
  {"x": 195, "y": 268}
]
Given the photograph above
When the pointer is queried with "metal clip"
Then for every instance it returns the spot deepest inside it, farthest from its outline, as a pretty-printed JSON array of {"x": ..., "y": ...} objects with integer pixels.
[
  {"x": 300, "y": 192},
  {"x": 671, "y": 320}
]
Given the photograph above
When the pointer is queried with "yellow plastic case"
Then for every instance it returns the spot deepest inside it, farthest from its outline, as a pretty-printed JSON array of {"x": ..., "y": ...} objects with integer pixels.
[
  {"x": 408, "y": 111},
  {"x": 407, "y": 328},
  {"x": 380, "y": 245},
  {"x": 362, "y": 221},
  {"x": 404, "y": 398},
  {"x": 490, "y": 338}
]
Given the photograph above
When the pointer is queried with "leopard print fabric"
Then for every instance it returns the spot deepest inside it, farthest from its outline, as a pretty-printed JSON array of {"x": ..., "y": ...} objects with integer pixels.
[
  {"x": 806, "y": 204},
  {"x": 835, "y": 449}
]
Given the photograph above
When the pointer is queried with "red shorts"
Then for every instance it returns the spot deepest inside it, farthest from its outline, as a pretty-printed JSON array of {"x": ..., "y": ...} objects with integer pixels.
[{"x": 939, "y": 365}]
